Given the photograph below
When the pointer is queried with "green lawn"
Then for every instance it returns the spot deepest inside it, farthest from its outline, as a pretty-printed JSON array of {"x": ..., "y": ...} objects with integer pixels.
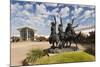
[{"x": 66, "y": 57}]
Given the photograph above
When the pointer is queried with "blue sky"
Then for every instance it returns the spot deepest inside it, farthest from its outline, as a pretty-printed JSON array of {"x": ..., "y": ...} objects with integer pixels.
[{"x": 39, "y": 15}]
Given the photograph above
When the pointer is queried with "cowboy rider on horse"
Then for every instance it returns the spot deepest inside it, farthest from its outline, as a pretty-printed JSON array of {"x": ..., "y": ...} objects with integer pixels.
[{"x": 70, "y": 29}]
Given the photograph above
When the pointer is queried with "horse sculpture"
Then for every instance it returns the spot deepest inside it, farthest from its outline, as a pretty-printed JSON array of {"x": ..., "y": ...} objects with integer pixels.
[
  {"x": 61, "y": 34},
  {"x": 54, "y": 38},
  {"x": 62, "y": 39},
  {"x": 71, "y": 39}
]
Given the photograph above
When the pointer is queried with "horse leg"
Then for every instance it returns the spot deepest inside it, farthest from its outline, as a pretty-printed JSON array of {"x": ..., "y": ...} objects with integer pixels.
[
  {"x": 66, "y": 44},
  {"x": 53, "y": 46},
  {"x": 69, "y": 44},
  {"x": 60, "y": 45},
  {"x": 63, "y": 44},
  {"x": 76, "y": 45},
  {"x": 56, "y": 44}
]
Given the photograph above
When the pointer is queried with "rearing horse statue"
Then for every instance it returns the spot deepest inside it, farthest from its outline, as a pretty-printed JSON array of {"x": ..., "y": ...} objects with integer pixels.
[
  {"x": 54, "y": 38},
  {"x": 61, "y": 34},
  {"x": 70, "y": 35}
]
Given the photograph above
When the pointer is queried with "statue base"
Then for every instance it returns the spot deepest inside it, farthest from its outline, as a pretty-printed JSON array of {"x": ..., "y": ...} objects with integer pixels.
[{"x": 60, "y": 50}]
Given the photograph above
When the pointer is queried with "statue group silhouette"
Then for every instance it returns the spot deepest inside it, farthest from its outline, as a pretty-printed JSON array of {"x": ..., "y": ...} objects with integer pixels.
[{"x": 63, "y": 38}]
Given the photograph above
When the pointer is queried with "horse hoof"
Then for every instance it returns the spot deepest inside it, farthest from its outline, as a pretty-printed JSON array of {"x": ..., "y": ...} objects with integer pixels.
[
  {"x": 66, "y": 46},
  {"x": 59, "y": 47},
  {"x": 52, "y": 47}
]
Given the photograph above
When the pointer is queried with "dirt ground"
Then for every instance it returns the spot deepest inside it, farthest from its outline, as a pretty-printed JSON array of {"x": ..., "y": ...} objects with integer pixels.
[{"x": 20, "y": 49}]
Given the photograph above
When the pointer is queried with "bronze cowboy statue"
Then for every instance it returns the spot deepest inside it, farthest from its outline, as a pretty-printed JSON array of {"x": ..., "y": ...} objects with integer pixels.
[
  {"x": 70, "y": 29},
  {"x": 54, "y": 38},
  {"x": 63, "y": 37},
  {"x": 70, "y": 34},
  {"x": 61, "y": 34}
]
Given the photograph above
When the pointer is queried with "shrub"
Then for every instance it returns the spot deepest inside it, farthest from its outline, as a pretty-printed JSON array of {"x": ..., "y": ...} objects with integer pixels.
[
  {"x": 90, "y": 51},
  {"x": 33, "y": 55}
]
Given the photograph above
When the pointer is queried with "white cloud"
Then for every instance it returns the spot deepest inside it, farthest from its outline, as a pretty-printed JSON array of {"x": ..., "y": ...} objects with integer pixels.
[
  {"x": 44, "y": 16},
  {"x": 89, "y": 6},
  {"x": 28, "y": 6},
  {"x": 76, "y": 12},
  {"x": 86, "y": 27},
  {"x": 22, "y": 17},
  {"x": 65, "y": 12},
  {"x": 51, "y": 4},
  {"x": 38, "y": 19},
  {"x": 68, "y": 20},
  {"x": 87, "y": 14},
  {"x": 41, "y": 9},
  {"x": 92, "y": 6},
  {"x": 16, "y": 7},
  {"x": 25, "y": 12},
  {"x": 54, "y": 11}
]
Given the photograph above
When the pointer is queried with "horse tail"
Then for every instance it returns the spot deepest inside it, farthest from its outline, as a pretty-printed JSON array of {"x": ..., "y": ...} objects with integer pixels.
[{"x": 78, "y": 35}]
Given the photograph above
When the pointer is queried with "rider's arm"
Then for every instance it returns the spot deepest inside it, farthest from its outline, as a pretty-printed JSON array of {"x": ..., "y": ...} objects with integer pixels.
[
  {"x": 75, "y": 26},
  {"x": 55, "y": 19}
]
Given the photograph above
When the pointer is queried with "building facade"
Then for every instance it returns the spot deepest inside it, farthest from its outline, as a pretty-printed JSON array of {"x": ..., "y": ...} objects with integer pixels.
[{"x": 26, "y": 33}]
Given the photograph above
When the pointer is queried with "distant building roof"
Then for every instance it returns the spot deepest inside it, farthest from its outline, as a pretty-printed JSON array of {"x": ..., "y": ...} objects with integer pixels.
[{"x": 29, "y": 27}]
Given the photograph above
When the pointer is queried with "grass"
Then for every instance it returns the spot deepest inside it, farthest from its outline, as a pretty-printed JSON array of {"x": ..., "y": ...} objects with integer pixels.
[{"x": 66, "y": 57}]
